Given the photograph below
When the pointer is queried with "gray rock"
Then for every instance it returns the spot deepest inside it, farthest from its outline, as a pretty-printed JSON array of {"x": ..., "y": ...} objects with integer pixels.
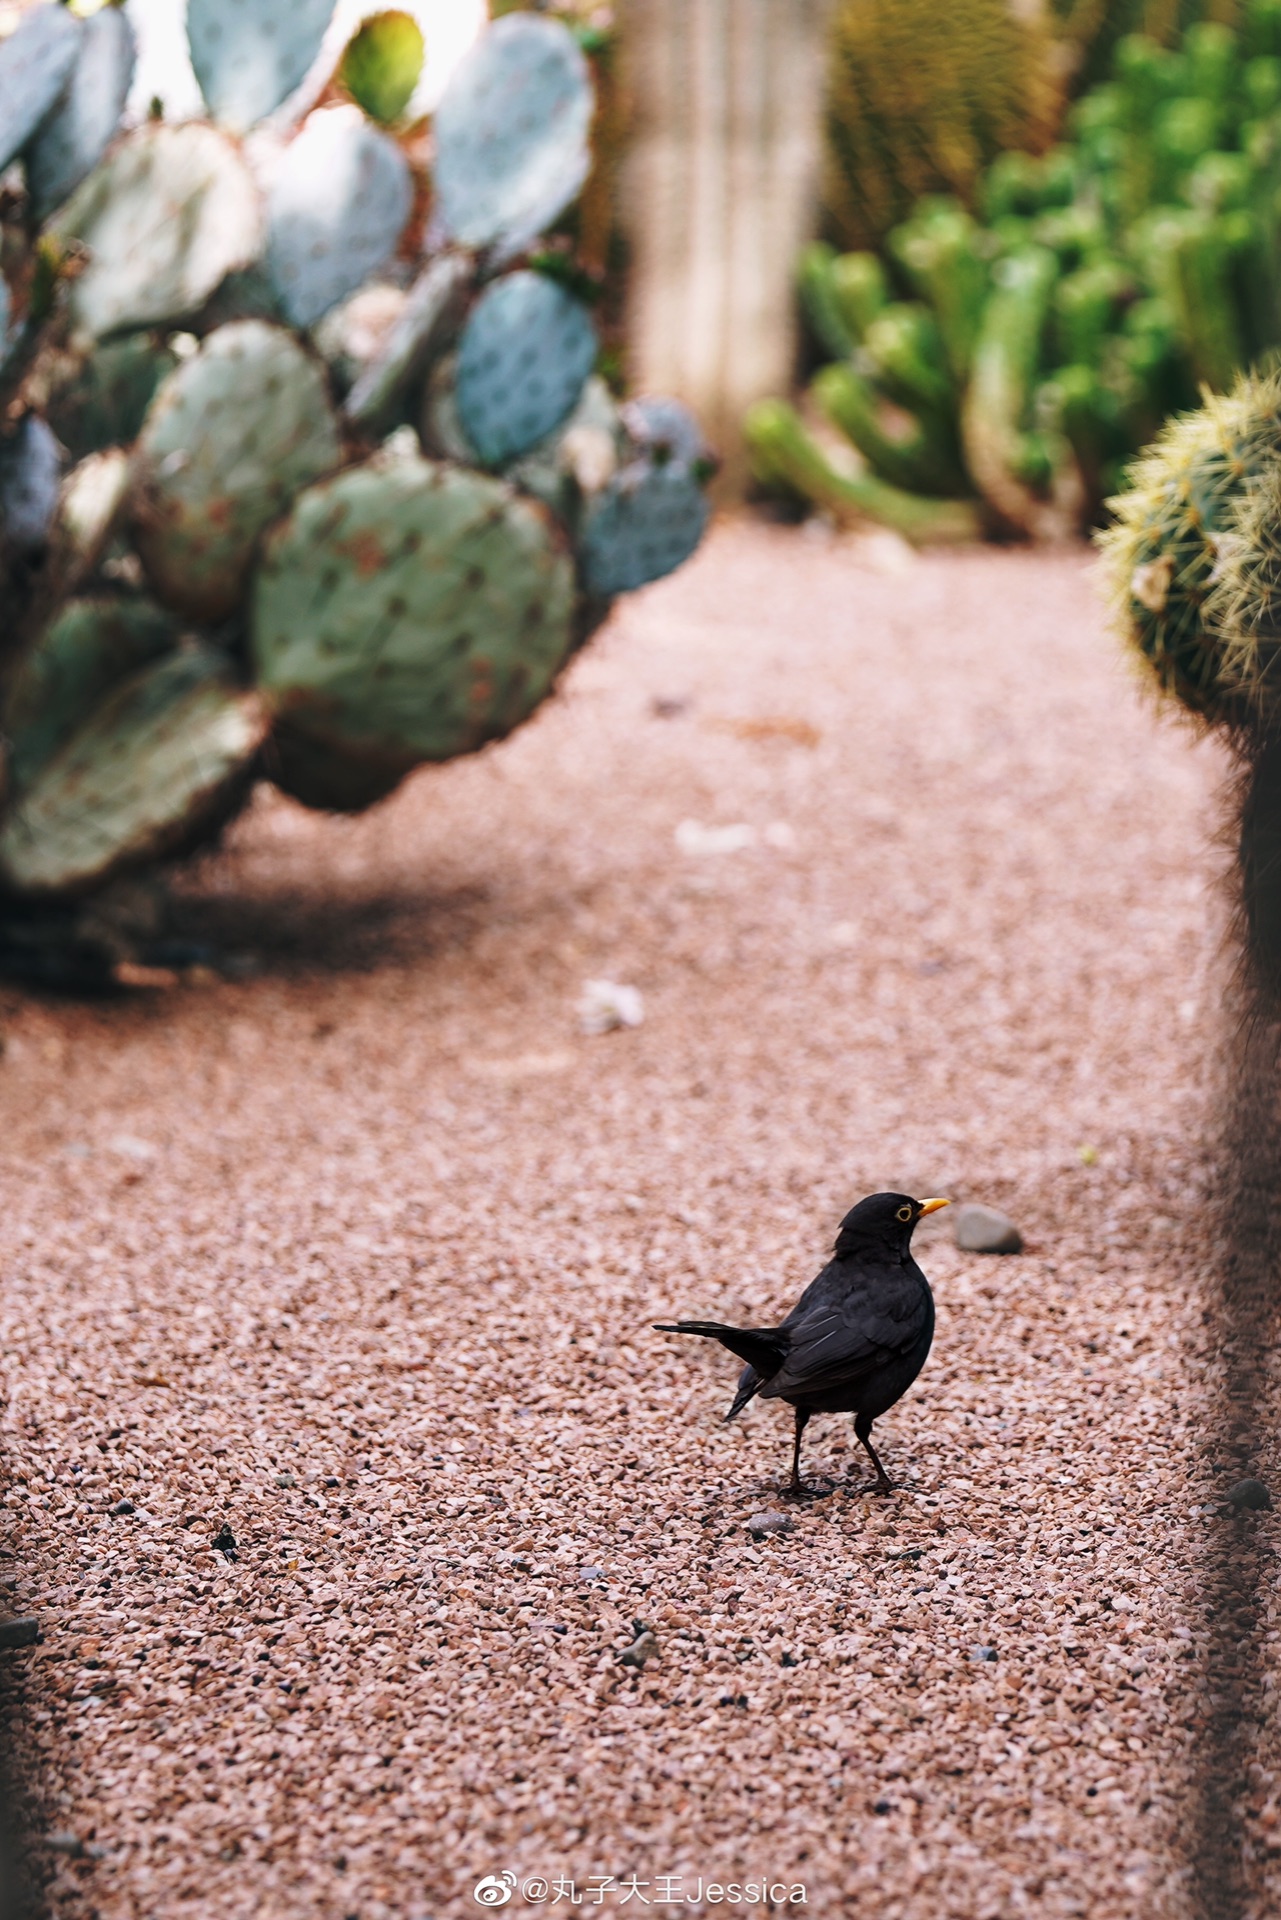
[
  {"x": 68, "y": 1843},
  {"x": 983, "y": 1653},
  {"x": 23, "y": 1631},
  {"x": 1251, "y": 1494},
  {"x": 284, "y": 1480},
  {"x": 762, "y": 1524},
  {"x": 984, "y": 1230},
  {"x": 643, "y": 1648},
  {"x": 123, "y": 1507}
]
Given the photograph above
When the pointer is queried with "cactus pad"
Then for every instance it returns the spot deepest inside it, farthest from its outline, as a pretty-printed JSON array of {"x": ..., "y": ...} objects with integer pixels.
[
  {"x": 233, "y": 435},
  {"x": 90, "y": 648},
  {"x": 428, "y": 317},
  {"x": 101, "y": 400},
  {"x": 166, "y": 216},
  {"x": 337, "y": 207},
  {"x": 1176, "y": 528},
  {"x": 525, "y": 353},
  {"x": 249, "y": 55},
  {"x": 30, "y": 465},
  {"x": 646, "y": 523},
  {"x": 665, "y": 430},
  {"x": 83, "y": 124},
  {"x": 404, "y": 612},
  {"x": 382, "y": 63},
  {"x": 512, "y": 129},
  {"x": 35, "y": 62},
  {"x": 160, "y": 761}
]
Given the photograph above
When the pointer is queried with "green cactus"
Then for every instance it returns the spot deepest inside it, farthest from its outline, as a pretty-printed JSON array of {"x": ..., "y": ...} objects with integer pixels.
[
  {"x": 404, "y": 611},
  {"x": 921, "y": 97},
  {"x": 1176, "y": 531},
  {"x": 239, "y": 377},
  {"x": 785, "y": 454},
  {"x": 233, "y": 434},
  {"x": 164, "y": 759}
]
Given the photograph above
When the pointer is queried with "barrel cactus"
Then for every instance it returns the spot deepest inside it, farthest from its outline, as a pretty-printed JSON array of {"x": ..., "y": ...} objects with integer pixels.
[
  {"x": 232, "y": 543},
  {"x": 1194, "y": 565}
]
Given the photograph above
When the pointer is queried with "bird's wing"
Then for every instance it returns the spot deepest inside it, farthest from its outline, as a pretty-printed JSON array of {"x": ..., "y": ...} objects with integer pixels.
[{"x": 849, "y": 1322}]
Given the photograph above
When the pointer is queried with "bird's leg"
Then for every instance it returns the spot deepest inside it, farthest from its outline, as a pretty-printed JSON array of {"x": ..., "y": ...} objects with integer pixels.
[
  {"x": 798, "y": 1490},
  {"x": 863, "y": 1428}
]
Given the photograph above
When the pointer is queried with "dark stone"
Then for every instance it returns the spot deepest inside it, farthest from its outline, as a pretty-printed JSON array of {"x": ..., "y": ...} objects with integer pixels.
[
  {"x": 124, "y": 1506},
  {"x": 1251, "y": 1495},
  {"x": 21, "y": 1632},
  {"x": 224, "y": 1541}
]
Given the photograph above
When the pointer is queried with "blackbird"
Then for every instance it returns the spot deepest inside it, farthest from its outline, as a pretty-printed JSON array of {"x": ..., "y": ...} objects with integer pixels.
[{"x": 857, "y": 1337}]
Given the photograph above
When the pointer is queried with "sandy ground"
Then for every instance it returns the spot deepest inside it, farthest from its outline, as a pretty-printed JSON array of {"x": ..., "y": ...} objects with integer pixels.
[{"x": 357, "y": 1253}]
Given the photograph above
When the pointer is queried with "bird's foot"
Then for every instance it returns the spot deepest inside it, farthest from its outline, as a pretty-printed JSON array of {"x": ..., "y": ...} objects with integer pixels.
[
  {"x": 799, "y": 1491},
  {"x": 880, "y": 1488}
]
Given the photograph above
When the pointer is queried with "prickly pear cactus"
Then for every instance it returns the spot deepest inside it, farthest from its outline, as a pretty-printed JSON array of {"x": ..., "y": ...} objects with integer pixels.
[
  {"x": 169, "y": 214},
  {"x": 647, "y": 521},
  {"x": 90, "y": 648},
  {"x": 241, "y": 345},
  {"x": 405, "y": 611},
  {"x": 30, "y": 470},
  {"x": 382, "y": 63},
  {"x": 35, "y": 64},
  {"x": 249, "y": 55},
  {"x": 164, "y": 757},
  {"x": 512, "y": 146},
  {"x": 75, "y": 135},
  {"x": 525, "y": 354},
  {"x": 233, "y": 434},
  {"x": 338, "y": 204}
]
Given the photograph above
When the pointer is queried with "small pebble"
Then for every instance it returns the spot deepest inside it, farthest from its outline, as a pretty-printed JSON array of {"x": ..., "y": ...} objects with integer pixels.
[
  {"x": 124, "y": 1506},
  {"x": 285, "y": 1480},
  {"x": 224, "y": 1541},
  {"x": 22, "y": 1631},
  {"x": 762, "y": 1524},
  {"x": 592, "y": 1573},
  {"x": 984, "y": 1230},
  {"x": 68, "y": 1843},
  {"x": 1251, "y": 1494},
  {"x": 644, "y": 1647},
  {"x": 982, "y": 1653}
]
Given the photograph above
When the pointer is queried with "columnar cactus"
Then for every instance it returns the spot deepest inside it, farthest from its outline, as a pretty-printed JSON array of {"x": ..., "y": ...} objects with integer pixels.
[{"x": 264, "y": 561}]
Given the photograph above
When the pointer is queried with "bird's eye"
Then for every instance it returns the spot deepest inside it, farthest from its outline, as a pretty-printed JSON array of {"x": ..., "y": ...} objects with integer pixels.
[{"x": 905, "y": 1213}]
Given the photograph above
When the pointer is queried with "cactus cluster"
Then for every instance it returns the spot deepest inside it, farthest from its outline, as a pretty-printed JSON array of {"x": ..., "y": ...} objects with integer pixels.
[
  {"x": 306, "y": 473},
  {"x": 1015, "y": 358}
]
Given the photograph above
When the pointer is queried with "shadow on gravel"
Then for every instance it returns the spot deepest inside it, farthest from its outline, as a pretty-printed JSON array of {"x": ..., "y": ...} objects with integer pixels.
[{"x": 1245, "y": 1314}]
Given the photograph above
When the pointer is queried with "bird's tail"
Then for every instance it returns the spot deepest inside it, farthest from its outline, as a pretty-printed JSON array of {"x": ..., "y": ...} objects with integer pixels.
[{"x": 762, "y": 1347}]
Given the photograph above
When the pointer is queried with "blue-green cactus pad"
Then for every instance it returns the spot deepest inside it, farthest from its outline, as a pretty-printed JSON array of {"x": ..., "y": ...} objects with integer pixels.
[
  {"x": 407, "y": 611},
  {"x": 163, "y": 757},
  {"x": 91, "y": 647},
  {"x": 86, "y": 118},
  {"x": 30, "y": 475},
  {"x": 233, "y": 434},
  {"x": 664, "y": 429},
  {"x": 646, "y": 523},
  {"x": 337, "y": 207},
  {"x": 249, "y": 55},
  {"x": 35, "y": 63},
  {"x": 512, "y": 146},
  {"x": 169, "y": 213},
  {"x": 525, "y": 354}
]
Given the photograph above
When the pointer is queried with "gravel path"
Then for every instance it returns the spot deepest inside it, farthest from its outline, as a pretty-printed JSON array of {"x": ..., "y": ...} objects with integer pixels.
[{"x": 358, "y": 1253}]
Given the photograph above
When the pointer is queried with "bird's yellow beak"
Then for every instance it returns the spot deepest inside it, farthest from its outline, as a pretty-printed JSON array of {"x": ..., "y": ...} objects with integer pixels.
[{"x": 932, "y": 1206}]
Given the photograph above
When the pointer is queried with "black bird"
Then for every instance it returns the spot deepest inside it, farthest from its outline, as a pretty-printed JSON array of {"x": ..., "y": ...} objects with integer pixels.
[{"x": 857, "y": 1337}]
